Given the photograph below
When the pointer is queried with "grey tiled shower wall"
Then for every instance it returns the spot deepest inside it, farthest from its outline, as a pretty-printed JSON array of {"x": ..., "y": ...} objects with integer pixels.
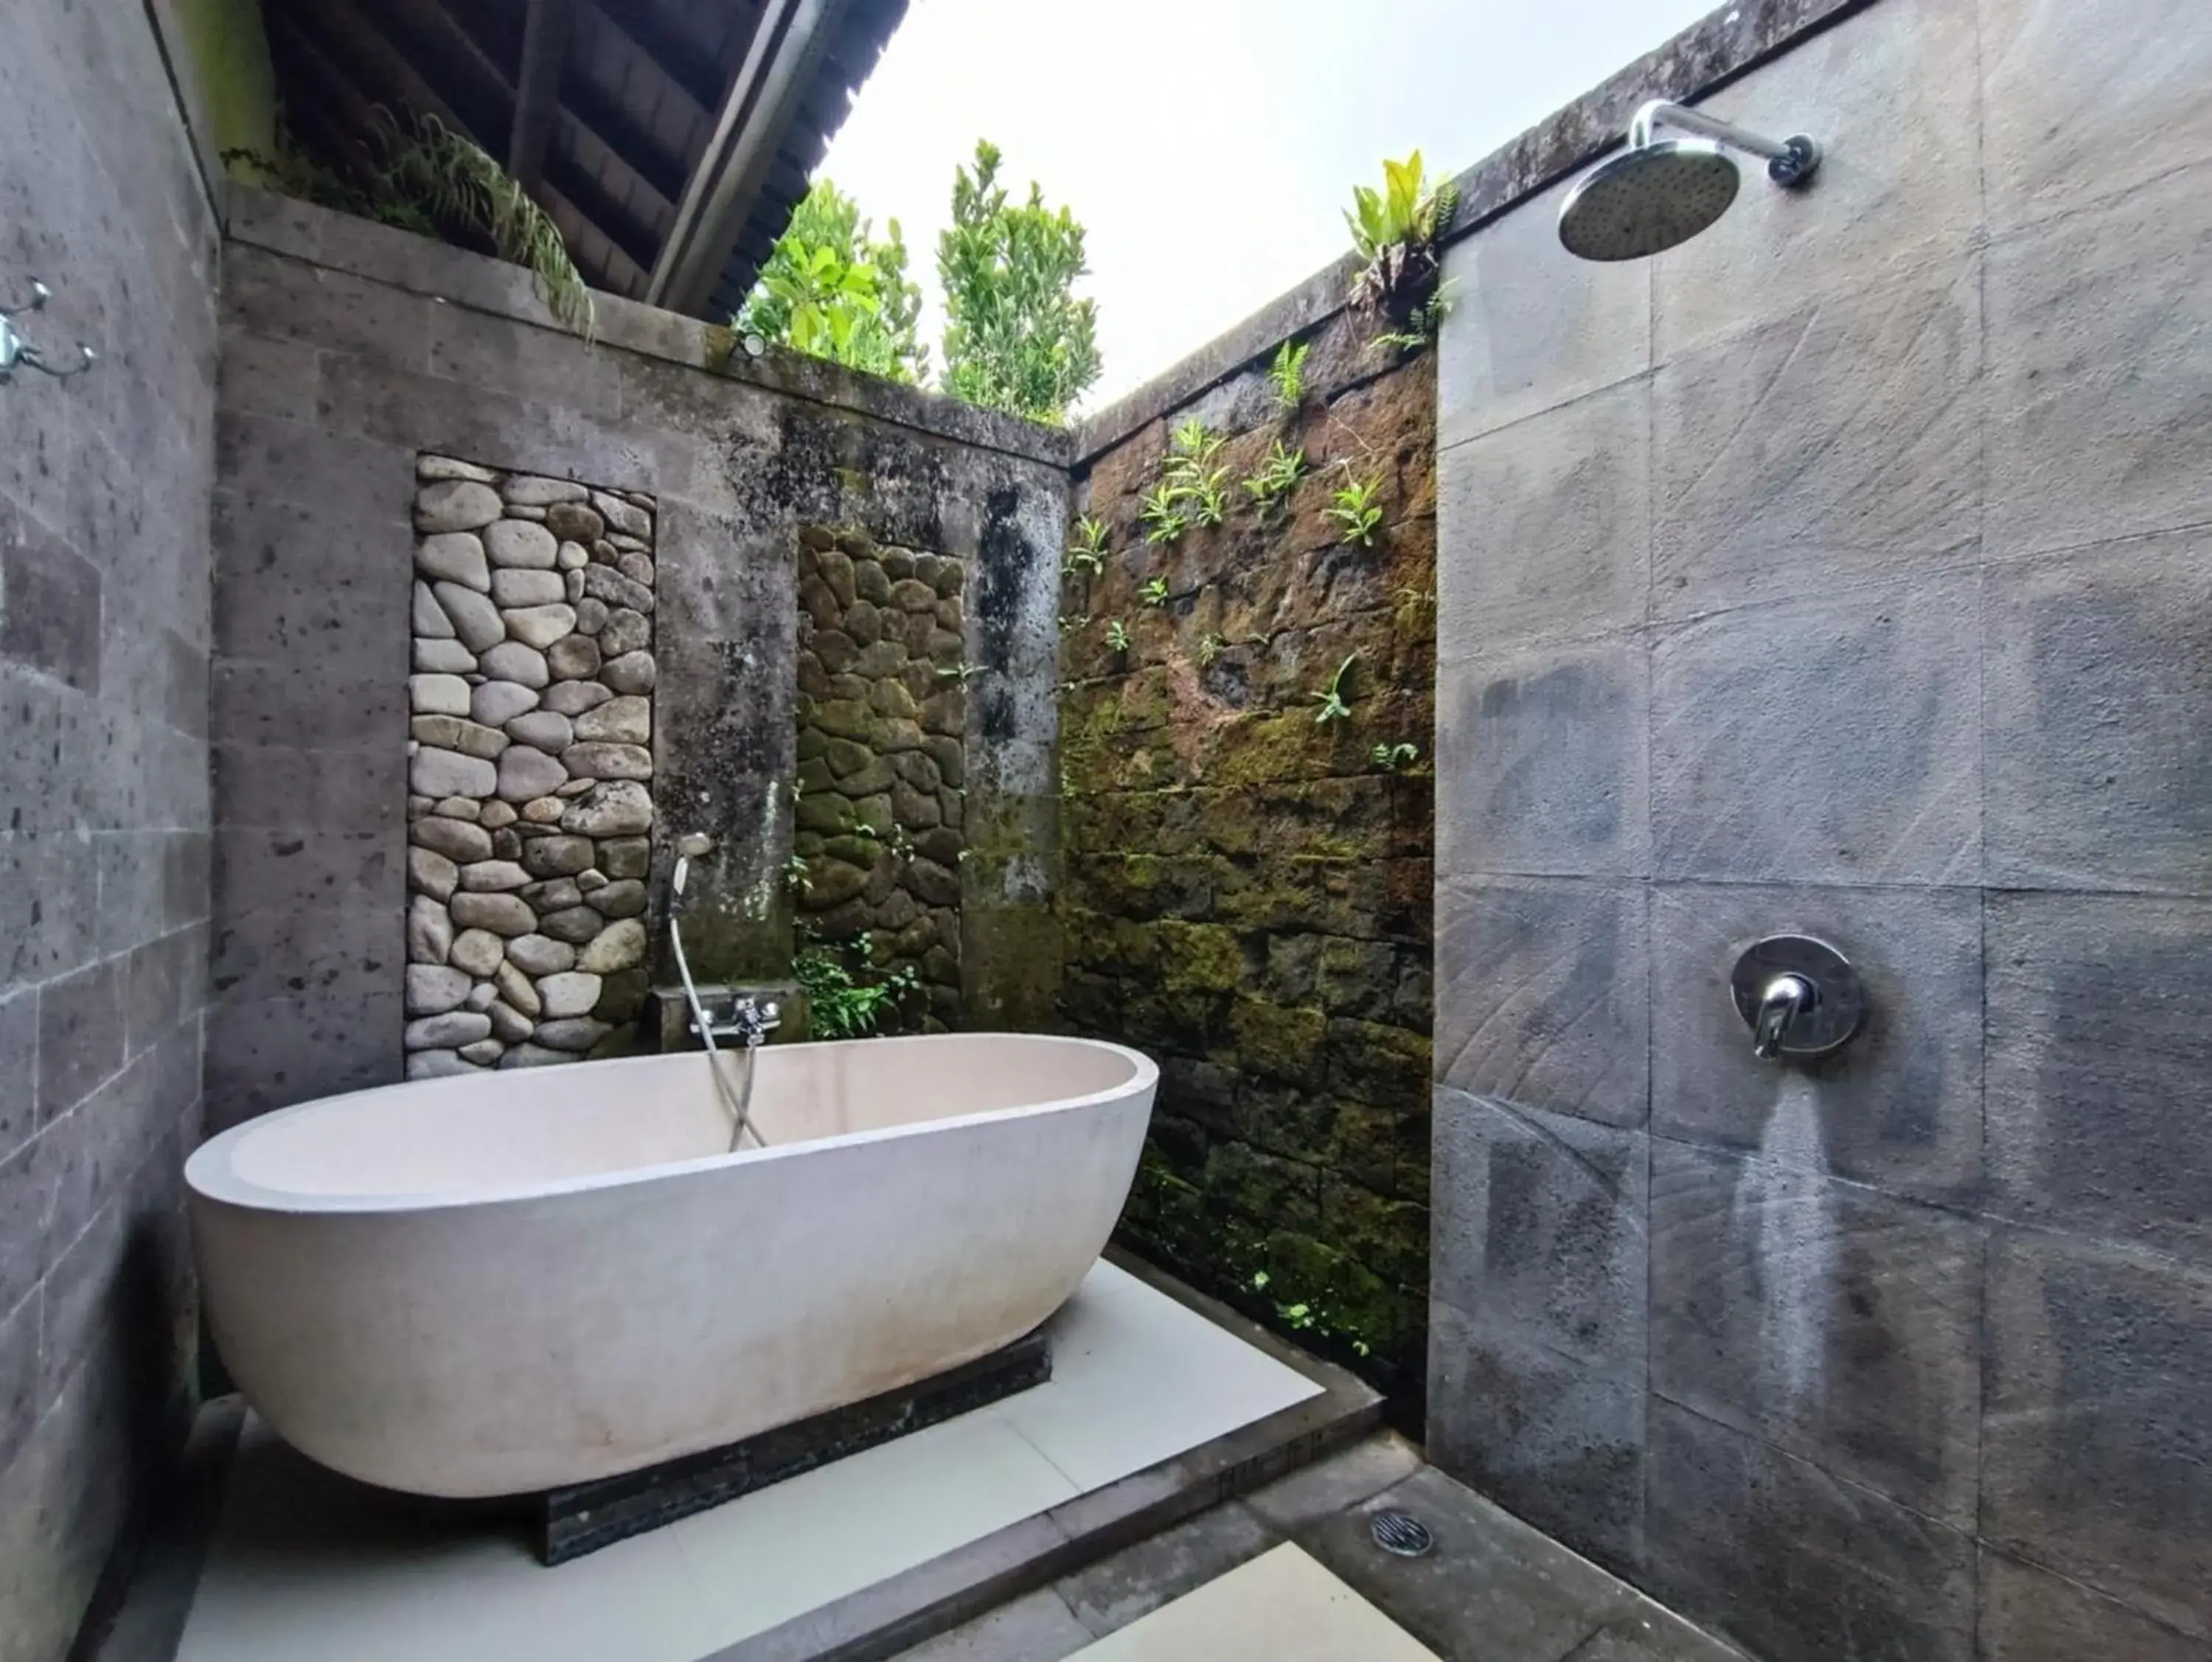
[{"x": 1848, "y": 570}]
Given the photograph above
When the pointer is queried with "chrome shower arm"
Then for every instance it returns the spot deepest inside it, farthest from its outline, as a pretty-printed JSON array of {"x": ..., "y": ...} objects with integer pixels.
[{"x": 1788, "y": 161}]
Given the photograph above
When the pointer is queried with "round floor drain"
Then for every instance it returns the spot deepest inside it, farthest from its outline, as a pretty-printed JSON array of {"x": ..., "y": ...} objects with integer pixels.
[{"x": 1402, "y": 1533}]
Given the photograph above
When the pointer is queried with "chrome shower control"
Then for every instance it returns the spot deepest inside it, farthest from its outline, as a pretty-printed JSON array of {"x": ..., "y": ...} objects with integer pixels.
[{"x": 1800, "y": 996}]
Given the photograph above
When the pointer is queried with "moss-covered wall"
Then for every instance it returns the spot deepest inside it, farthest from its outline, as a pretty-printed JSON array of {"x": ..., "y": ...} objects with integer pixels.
[{"x": 1247, "y": 889}]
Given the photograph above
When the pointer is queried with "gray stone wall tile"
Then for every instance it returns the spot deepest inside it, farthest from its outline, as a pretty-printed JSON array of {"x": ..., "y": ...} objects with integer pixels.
[
  {"x": 20, "y": 1400},
  {"x": 263, "y": 462},
  {"x": 306, "y": 910},
  {"x": 2100, "y": 348},
  {"x": 1793, "y": 1564},
  {"x": 270, "y": 1053},
  {"x": 274, "y": 297},
  {"x": 18, "y": 1068},
  {"x": 1542, "y": 764},
  {"x": 279, "y": 788},
  {"x": 539, "y": 366},
  {"x": 316, "y": 587},
  {"x": 1890, "y": 95},
  {"x": 1837, "y": 1325},
  {"x": 80, "y": 1035},
  {"x": 2100, "y": 1067},
  {"x": 1532, "y": 328},
  {"x": 51, "y": 623},
  {"x": 1835, "y": 738},
  {"x": 258, "y": 700},
  {"x": 49, "y": 904},
  {"x": 1538, "y": 1227},
  {"x": 1900, "y": 1106},
  {"x": 1556, "y": 1442},
  {"x": 2085, "y": 101},
  {"x": 2029, "y": 1615},
  {"x": 33, "y": 1181},
  {"x": 258, "y": 376},
  {"x": 1840, "y": 442},
  {"x": 1546, "y": 995},
  {"x": 1549, "y": 522},
  {"x": 2096, "y": 1427},
  {"x": 2097, "y": 671}
]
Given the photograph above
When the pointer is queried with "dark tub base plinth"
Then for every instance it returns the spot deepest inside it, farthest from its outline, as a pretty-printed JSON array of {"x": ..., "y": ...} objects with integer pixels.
[{"x": 582, "y": 1518}]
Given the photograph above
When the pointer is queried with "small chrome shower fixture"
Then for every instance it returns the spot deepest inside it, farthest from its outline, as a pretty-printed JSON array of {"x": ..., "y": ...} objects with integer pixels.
[
  {"x": 1660, "y": 192},
  {"x": 16, "y": 353}
]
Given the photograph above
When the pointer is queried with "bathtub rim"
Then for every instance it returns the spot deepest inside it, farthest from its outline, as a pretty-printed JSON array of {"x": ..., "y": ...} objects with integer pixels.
[{"x": 210, "y": 1175}]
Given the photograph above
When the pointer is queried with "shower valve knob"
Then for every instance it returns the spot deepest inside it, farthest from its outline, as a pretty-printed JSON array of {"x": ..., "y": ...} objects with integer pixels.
[{"x": 1799, "y": 996}]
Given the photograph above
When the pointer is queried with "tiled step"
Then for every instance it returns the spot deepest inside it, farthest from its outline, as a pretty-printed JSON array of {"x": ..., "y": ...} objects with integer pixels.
[{"x": 1281, "y": 1607}]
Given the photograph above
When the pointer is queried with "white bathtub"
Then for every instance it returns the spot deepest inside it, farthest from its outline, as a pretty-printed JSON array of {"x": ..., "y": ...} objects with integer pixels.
[{"x": 487, "y": 1286}]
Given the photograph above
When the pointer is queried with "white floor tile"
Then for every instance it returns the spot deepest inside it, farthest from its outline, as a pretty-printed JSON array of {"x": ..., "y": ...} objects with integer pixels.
[
  {"x": 307, "y": 1565},
  {"x": 1137, "y": 1378},
  {"x": 1281, "y": 1607}
]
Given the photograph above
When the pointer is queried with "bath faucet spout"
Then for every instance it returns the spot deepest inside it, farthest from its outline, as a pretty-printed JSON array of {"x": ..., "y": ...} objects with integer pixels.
[
  {"x": 750, "y": 1022},
  {"x": 1786, "y": 998}
]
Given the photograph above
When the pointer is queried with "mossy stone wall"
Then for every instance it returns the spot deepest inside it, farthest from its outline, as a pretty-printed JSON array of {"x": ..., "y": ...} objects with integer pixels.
[{"x": 1247, "y": 889}]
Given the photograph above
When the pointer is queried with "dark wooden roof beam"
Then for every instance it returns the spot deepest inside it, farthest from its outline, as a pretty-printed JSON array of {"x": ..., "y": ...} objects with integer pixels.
[{"x": 538, "y": 87}]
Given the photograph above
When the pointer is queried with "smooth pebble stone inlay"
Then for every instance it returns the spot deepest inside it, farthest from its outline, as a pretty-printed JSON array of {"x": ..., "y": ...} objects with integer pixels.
[
  {"x": 509, "y": 1023},
  {"x": 448, "y": 773},
  {"x": 619, "y": 947},
  {"x": 444, "y": 1032},
  {"x": 575, "y": 697},
  {"x": 513, "y": 586},
  {"x": 483, "y": 1052},
  {"x": 540, "y": 955},
  {"x": 631, "y": 672},
  {"x": 495, "y": 703},
  {"x": 575, "y": 1033},
  {"x": 511, "y": 661},
  {"x": 626, "y": 721},
  {"x": 497, "y": 816},
  {"x": 458, "y": 556},
  {"x": 516, "y": 989},
  {"x": 432, "y": 989},
  {"x": 497, "y": 914},
  {"x": 534, "y": 490},
  {"x": 493, "y": 876},
  {"x": 573, "y": 522},
  {"x": 481, "y": 995},
  {"x": 625, "y": 517},
  {"x": 476, "y": 619},
  {"x": 572, "y": 556},
  {"x": 626, "y": 631},
  {"x": 556, "y": 856},
  {"x": 429, "y": 931},
  {"x": 427, "y": 617},
  {"x": 595, "y": 761},
  {"x": 525, "y": 772},
  {"x": 573, "y": 658},
  {"x": 545, "y": 729},
  {"x": 477, "y": 951},
  {"x": 572, "y": 994},
  {"x": 623, "y": 899},
  {"x": 436, "y": 1064},
  {"x": 438, "y": 695},
  {"x": 447, "y": 467},
  {"x": 455, "y": 505},
  {"x": 540, "y": 626},
  {"x": 518, "y": 543},
  {"x": 454, "y": 838},
  {"x": 444, "y": 657},
  {"x": 617, "y": 808}
]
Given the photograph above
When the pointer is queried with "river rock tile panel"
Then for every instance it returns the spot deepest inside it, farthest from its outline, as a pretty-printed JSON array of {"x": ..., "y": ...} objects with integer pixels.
[
  {"x": 531, "y": 767},
  {"x": 881, "y": 724}
]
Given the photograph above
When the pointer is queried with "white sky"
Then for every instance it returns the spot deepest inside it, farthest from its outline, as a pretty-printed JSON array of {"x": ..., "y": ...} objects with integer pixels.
[{"x": 1207, "y": 145}]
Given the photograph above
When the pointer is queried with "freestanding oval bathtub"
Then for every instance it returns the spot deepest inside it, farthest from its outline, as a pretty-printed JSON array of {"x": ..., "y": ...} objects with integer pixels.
[{"x": 489, "y": 1285}]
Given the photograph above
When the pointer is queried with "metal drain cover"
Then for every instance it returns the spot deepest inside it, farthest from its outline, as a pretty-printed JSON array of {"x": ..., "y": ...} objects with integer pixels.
[{"x": 1402, "y": 1533}]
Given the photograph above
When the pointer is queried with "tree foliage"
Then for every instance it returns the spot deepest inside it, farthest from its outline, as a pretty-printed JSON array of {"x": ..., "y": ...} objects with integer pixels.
[
  {"x": 830, "y": 289},
  {"x": 1016, "y": 338}
]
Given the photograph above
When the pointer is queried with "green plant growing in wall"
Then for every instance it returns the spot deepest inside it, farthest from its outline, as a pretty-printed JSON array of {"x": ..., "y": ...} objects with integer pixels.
[
  {"x": 840, "y": 1006},
  {"x": 1155, "y": 592},
  {"x": 1393, "y": 758},
  {"x": 1287, "y": 373},
  {"x": 1354, "y": 506},
  {"x": 1161, "y": 511},
  {"x": 1117, "y": 637},
  {"x": 1277, "y": 475},
  {"x": 1190, "y": 477},
  {"x": 418, "y": 174},
  {"x": 829, "y": 289},
  {"x": 1069, "y": 622},
  {"x": 1209, "y": 649},
  {"x": 1394, "y": 234},
  {"x": 795, "y": 873},
  {"x": 963, "y": 672},
  {"x": 1422, "y": 324},
  {"x": 1016, "y": 338},
  {"x": 1335, "y": 707},
  {"x": 1086, "y": 555}
]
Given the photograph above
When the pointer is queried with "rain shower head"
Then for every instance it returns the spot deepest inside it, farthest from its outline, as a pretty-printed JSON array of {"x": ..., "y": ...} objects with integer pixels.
[{"x": 1658, "y": 192}]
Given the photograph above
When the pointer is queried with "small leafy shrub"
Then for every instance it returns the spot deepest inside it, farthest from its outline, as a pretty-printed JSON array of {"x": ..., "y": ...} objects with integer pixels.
[
  {"x": 1335, "y": 707},
  {"x": 829, "y": 289},
  {"x": 795, "y": 877},
  {"x": 1117, "y": 637},
  {"x": 1353, "y": 505},
  {"x": 1209, "y": 649},
  {"x": 1190, "y": 475},
  {"x": 1393, "y": 232},
  {"x": 1087, "y": 553},
  {"x": 1288, "y": 375},
  {"x": 961, "y": 672},
  {"x": 837, "y": 1005},
  {"x": 1393, "y": 757},
  {"x": 1277, "y": 475},
  {"x": 1155, "y": 592},
  {"x": 1422, "y": 324},
  {"x": 1069, "y": 624},
  {"x": 1161, "y": 510}
]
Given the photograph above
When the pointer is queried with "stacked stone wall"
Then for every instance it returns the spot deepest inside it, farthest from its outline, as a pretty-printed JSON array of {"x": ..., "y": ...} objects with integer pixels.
[
  {"x": 529, "y": 769},
  {"x": 882, "y": 713}
]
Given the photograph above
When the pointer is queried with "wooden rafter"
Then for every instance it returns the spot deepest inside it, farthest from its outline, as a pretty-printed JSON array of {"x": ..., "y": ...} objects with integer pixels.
[{"x": 538, "y": 87}]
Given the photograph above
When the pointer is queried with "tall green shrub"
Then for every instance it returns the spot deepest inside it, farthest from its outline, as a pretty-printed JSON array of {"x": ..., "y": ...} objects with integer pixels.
[
  {"x": 1016, "y": 338},
  {"x": 831, "y": 289}
]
